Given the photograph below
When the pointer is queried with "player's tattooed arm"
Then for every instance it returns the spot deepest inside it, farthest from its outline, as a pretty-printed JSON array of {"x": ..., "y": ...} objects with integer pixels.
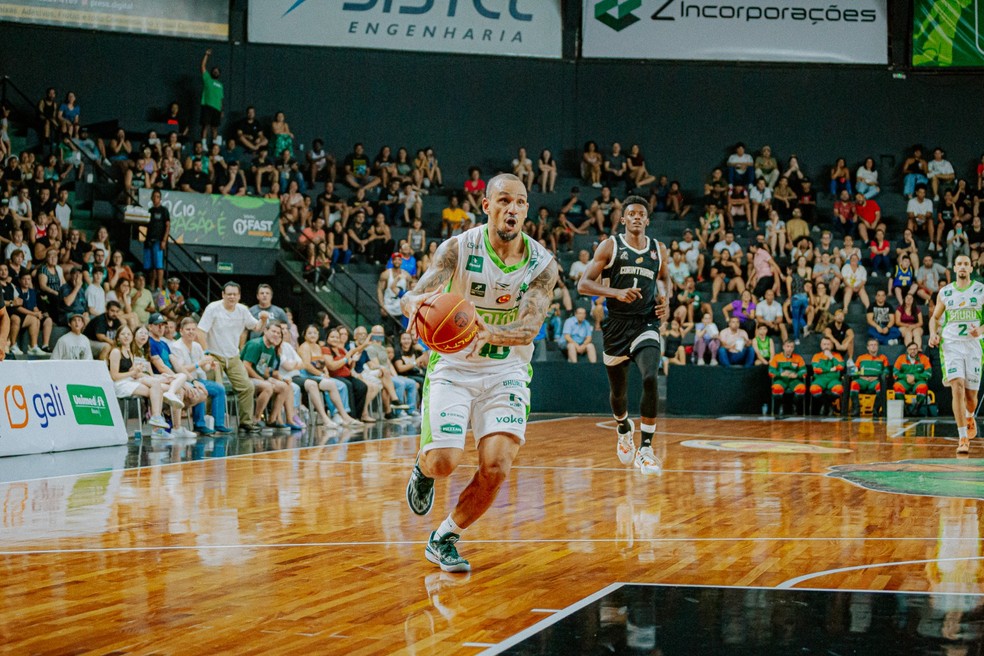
[
  {"x": 435, "y": 280},
  {"x": 532, "y": 311}
]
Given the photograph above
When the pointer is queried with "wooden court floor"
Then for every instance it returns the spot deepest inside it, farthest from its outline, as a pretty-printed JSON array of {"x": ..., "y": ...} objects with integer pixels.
[{"x": 313, "y": 550}]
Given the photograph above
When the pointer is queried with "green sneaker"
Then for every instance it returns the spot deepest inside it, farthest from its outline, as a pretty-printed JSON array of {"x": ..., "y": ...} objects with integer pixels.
[
  {"x": 443, "y": 553},
  {"x": 420, "y": 491}
]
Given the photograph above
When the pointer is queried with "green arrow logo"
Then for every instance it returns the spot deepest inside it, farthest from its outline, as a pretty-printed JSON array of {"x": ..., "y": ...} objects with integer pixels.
[{"x": 623, "y": 14}]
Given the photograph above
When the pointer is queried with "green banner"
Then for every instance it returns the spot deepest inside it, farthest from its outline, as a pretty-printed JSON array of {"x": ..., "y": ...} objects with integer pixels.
[
  {"x": 213, "y": 220},
  {"x": 948, "y": 33}
]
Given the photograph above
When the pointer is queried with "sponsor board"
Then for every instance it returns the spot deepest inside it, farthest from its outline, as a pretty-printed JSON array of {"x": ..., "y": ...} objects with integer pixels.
[
  {"x": 41, "y": 412},
  {"x": 213, "y": 220},
  {"x": 739, "y": 30},
  {"x": 203, "y": 19}
]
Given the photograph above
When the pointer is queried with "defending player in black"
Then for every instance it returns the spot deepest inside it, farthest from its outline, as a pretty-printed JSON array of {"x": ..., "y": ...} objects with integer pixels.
[{"x": 628, "y": 269}]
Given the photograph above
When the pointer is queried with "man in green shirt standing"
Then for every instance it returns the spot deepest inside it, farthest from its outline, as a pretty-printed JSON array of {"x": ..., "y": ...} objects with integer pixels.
[{"x": 212, "y": 93}]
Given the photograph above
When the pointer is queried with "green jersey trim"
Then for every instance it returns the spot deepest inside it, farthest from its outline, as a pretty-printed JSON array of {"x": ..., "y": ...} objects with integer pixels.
[{"x": 498, "y": 261}]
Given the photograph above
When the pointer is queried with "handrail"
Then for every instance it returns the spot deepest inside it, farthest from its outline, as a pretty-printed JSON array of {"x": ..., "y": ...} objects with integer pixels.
[{"x": 212, "y": 281}]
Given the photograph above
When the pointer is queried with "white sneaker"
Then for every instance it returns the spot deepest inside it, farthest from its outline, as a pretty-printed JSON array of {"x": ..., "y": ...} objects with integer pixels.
[
  {"x": 714, "y": 362},
  {"x": 181, "y": 431},
  {"x": 625, "y": 448},
  {"x": 35, "y": 350},
  {"x": 174, "y": 400},
  {"x": 158, "y": 421},
  {"x": 701, "y": 363},
  {"x": 161, "y": 434},
  {"x": 15, "y": 350},
  {"x": 647, "y": 462}
]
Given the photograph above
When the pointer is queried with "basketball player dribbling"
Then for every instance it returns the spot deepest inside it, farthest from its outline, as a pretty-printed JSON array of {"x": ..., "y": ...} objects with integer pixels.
[
  {"x": 956, "y": 327},
  {"x": 510, "y": 279},
  {"x": 633, "y": 265}
]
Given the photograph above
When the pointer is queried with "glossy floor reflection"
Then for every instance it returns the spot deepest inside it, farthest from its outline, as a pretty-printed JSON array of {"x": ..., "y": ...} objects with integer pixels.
[
  {"x": 682, "y": 620},
  {"x": 303, "y": 544}
]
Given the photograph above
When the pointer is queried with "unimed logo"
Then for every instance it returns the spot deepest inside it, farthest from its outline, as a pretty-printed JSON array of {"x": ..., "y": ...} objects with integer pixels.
[
  {"x": 623, "y": 16},
  {"x": 89, "y": 405}
]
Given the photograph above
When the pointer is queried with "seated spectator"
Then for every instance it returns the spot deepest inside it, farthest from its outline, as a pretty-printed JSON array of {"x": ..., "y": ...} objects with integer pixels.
[
  {"x": 879, "y": 249},
  {"x": 188, "y": 357},
  {"x": 142, "y": 299},
  {"x": 332, "y": 390},
  {"x": 101, "y": 330},
  {"x": 451, "y": 217},
  {"x": 578, "y": 267},
  {"x": 249, "y": 132},
  {"x": 975, "y": 238},
  {"x": 264, "y": 303},
  {"x": 869, "y": 372},
  {"x": 358, "y": 233},
  {"x": 867, "y": 179},
  {"x": 907, "y": 244},
  {"x": 768, "y": 313},
  {"x": 726, "y": 275},
  {"x": 787, "y": 370},
  {"x": 692, "y": 254},
  {"x": 845, "y": 217},
  {"x": 431, "y": 169},
  {"x": 765, "y": 273},
  {"x": 798, "y": 284},
  {"x": 711, "y": 230},
  {"x": 920, "y": 212},
  {"x": 577, "y": 337},
  {"x": 744, "y": 309},
  {"x": 170, "y": 300},
  {"x": 522, "y": 168},
  {"x": 616, "y": 167},
  {"x": 803, "y": 247},
  {"x": 379, "y": 241},
  {"x": 261, "y": 361},
  {"x": 475, "y": 187},
  {"x": 675, "y": 202},
  {"x": 289, "y": 171},
  {"x": 131, "y": 377},
  {"x": 196, "y": 180},
  {"x": 591, "y": 161},
  {"x": 909, "y": 320},
  {"x": 741, "y": 169},
  {"x": 930, "y": 277},
  {"x": 410, "y": 359},
  {"x": 391, "y": 208},
  {"x": 31, "y": 318},
  {"x": 334, "y": 209},
  {"x": 901, "y": 282},
  {"x": 263, "y": 168},
  {"x": 841, "y": 335},
  {"x": 575, "y": 212},
  {"x": 761, "y": 198},
  {"x": 314, "y": 241},
  {"x": 956, "y": 243},
  {"x": 828, "y": 369},
  {"x": 73, "y": 345},
  {"x": 785, "y": 201},
  {"x": 881, "y": 321},
  {"x": 123, "y": 295},
  {"x": 706, "y": 340},
  {"x": 606, "y": 210},
  {"x": 320, "y": 164},
  {"x": 855, "y": 276},
  {"x": 674, "y": 352},
  {"x": 17, "y": 243},
  {"x": 912, "y": 372},
  {"x": 546, "y": 172},
  {"x": 338, "y": 246},
  {"x": 638, "y": 175},
  {"x": 716, "y": 189},
  {"x": 840, "y": 179},
  {"x": 735, "y": 347},
  {"x": 403, "y": 392},
  {"x": 766, "y": 168},
  {"x": 940, "y": 172},
  {"x": 947, "y": 212},
  {"x": 762, "y": 345},
  {"x": 819, "y": 309},
  {"x": 869, "y": 216},
  {"x": 738, "y": 207},
  {"x": 95, "y": 295},
  {"x": 678, "y": 270}
]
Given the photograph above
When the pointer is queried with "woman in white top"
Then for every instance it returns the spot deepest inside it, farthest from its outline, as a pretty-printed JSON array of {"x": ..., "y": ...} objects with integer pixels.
[
  {"x": 867, "y": 179},
  {"x": 775, "y": 234},
  {"x": 130, "y": 377},
  {"x": 706, "y": 339}
]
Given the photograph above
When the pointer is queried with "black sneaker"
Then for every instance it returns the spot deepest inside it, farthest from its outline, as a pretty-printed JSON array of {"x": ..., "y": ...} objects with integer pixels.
[
  {"x": 444, "y": 554},
  {"x": 420, "y": 491}
]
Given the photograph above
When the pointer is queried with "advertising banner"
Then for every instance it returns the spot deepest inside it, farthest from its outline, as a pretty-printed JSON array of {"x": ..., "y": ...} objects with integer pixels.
[
  {"x": 744, "y": 30},
  {"x": 57, "y": 406},
  {"x": 213, "y": 220},
  {"x": 530, "y": 28},
  {"x": 946, "y": 34},
  {"x": 204, "y": 19}
]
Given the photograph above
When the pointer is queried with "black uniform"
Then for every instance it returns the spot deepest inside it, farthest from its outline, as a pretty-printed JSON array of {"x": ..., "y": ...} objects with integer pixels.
[{"x": 630, "y": 326}]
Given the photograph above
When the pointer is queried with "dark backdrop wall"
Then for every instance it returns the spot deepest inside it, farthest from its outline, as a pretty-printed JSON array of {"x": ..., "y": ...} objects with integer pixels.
[{"x": 478, "y": 110}]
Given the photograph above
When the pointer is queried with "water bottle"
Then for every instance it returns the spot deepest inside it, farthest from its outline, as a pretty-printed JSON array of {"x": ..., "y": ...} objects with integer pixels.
[
  {"x": 137, "y": 436},
  {"x": 765, "y": 409}
]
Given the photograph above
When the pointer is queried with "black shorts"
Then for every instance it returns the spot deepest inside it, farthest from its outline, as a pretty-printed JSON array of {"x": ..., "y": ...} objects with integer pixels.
[
  {"x": 624, "y": 336},
  {"x": 210, "y": 116}
]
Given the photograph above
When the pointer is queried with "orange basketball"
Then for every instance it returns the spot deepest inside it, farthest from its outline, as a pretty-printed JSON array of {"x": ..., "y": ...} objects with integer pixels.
[{"x": 446, "y": 323}]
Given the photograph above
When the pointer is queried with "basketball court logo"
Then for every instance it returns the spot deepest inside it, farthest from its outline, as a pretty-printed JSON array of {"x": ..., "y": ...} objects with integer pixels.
[
  {"x": 963, "y": 478},
  {"x": 760, "y": 446}
]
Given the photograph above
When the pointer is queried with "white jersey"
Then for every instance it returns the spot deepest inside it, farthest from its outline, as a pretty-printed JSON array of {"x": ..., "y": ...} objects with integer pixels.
[
  {"x": 964, "y": 309},
  {"x": 496, "y": 290}
]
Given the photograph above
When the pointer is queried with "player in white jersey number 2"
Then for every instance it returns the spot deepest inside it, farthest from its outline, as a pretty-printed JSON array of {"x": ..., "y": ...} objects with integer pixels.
[
  {"x": 956, "y": 327},
  {"x": 510, "y": 279}
]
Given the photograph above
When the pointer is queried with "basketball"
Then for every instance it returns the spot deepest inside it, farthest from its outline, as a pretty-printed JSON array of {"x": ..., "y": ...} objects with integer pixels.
[{"x": 447, "y": 323}]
